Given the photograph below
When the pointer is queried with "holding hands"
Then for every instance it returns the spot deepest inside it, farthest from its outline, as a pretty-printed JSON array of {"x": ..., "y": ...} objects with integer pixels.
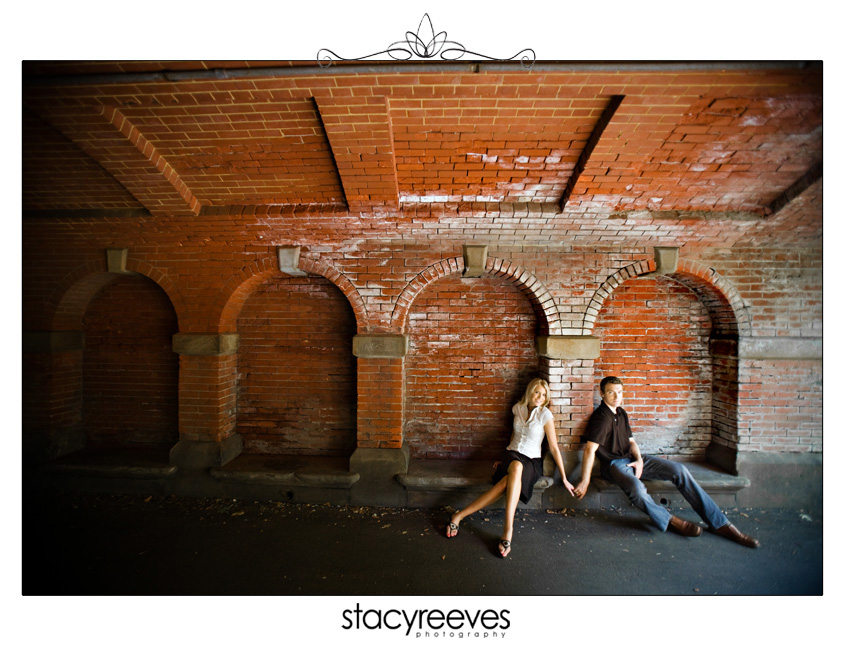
[{"x": 580, "y": 491}]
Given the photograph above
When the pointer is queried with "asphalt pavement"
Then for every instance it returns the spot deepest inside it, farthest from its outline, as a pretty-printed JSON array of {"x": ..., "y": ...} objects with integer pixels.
[{"x": 122, "y": 545}]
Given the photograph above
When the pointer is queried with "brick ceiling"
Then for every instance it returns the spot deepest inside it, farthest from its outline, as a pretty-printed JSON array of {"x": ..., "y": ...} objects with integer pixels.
[{"x": 733, "y": 140}]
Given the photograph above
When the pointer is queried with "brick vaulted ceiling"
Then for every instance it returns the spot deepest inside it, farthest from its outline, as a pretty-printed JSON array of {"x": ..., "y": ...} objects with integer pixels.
[{"x": 661, "y": 142}]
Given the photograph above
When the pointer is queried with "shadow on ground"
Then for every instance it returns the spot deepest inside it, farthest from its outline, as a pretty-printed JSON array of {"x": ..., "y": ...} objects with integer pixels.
[{"x": 104, "y": 545}]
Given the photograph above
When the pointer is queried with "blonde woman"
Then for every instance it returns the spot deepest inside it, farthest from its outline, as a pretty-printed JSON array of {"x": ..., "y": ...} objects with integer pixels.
[{"x": 520, "y": 467}]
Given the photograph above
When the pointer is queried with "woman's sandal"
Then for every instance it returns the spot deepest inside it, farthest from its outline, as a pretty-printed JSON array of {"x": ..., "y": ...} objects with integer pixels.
[
  {"x": 503, "y": 548},
  {"x": 452, "y": 529}
]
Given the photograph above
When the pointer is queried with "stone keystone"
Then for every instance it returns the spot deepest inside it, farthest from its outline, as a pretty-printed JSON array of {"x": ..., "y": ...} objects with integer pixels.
[
  {"x": 288, "y": 261},
  {"x": 474, "y": 258},
  {"x": 666, "y": 259},
  {"x": 116, "y": 260}
]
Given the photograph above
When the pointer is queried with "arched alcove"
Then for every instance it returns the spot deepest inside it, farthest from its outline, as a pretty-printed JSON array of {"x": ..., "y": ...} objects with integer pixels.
[
  {"x": 472, "y": 351},
  {"x": 716, "y": 300},
  {"x": 654, "y": 335},
  {"x": 296, "y": 380},
  {"x": 129, "y": 371}
]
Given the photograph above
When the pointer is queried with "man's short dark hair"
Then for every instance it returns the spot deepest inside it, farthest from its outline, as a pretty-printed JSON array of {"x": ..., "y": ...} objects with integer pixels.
[{"x": 610, "y": 380}]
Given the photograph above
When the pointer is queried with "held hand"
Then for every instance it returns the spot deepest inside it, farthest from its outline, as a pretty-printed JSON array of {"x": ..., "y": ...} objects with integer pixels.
[
  {"x": 580, "y": 490},
  {"x": 637, "y": 466},
  {"x": 568, "y": 486}
]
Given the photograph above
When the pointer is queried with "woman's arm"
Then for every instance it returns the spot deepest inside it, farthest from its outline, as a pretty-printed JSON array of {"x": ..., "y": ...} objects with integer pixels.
[{"x": 551, "y": 435}]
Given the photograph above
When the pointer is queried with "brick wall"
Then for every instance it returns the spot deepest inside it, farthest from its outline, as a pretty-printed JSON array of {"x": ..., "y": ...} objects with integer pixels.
[
  {"x": 130, "y": 371},
  {"x": 297, "y": 386},
  {"x": 207, "y": 397},
  {"x": 655, "y": 336},
  {"x": 380, "y": 402},
  {"x": 725, "y": 397},
  {"x": 377, "y": 266},
  {"x": 472, "y": 353},
  {"x": 782, "y": 287},
  {"x": 780, "y": 406},
  {"x": 52, "y": 390},
  {"x": 381, "y": 180}
]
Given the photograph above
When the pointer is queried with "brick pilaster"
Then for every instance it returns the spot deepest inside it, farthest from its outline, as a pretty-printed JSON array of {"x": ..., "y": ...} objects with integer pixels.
[
  {"x": 52, "y": 394},
  {"x": 380, "y": 402},
  {"x": 207, "y": 400}
]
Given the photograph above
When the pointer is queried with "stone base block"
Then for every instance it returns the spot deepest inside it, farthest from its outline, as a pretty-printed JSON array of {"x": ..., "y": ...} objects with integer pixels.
[
  {"x": 377, "y": 469},
  {"x": 722, "y": 457},
  {"x": 40, "y": 446},
  {"x": 568, "y": 347},
  {"x": 783, "y": 480},
  {"x": 380, "y": 345},
  {"x": 200, "y": 455}
]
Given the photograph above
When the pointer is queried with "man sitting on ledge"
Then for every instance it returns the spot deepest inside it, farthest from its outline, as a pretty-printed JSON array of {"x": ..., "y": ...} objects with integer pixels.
[{"x": 609, "y": 436}]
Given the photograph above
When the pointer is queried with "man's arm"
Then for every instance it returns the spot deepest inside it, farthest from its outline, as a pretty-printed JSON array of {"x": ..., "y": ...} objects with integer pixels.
[
  {"x": 637, "y": 463},
  {"x": 586, "y": 469}
]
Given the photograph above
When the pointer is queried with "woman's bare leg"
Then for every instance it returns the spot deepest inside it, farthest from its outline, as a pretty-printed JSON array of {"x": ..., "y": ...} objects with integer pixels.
[
  {"x": 487, "y": 498},
  {"x": 514, "y": 489}
]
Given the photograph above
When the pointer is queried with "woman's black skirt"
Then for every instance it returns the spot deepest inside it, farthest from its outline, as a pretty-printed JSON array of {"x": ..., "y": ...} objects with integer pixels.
[{"x": 531, "y": 471}]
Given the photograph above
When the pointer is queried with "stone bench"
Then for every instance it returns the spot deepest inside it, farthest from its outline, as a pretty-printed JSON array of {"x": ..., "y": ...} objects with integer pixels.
[
  {"x": 434, "y": 483},
  {"x": 323, "y": 479},
  {"x": 720, "y": 485},
  {"x": 114, "y": 470},
  {"x": 309, "y": 479}
]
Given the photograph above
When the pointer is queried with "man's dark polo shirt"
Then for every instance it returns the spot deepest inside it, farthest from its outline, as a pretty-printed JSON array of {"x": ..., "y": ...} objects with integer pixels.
[{"x": 610, "y": 431}]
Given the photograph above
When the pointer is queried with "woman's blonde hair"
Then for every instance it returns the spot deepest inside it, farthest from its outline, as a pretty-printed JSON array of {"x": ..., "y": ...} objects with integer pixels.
[{"x": 531, "y": 387}]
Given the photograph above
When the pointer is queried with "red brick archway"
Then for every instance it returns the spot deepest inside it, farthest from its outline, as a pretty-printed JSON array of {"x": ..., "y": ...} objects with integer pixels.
[
  {"x": 656, "y": 334},
  {"x": 544, "y": 305}
]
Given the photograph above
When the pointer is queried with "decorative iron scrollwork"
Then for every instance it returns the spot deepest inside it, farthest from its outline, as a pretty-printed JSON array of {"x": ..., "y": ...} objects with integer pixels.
[{"x": 426, "y": 44}]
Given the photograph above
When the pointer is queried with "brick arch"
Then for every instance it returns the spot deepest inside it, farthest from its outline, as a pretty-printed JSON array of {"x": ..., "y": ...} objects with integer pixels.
[
  {"x": 128, "y": 371},
  {"x": 296, "y": 374},
  {"x": 729, "y": 312},
  {"x": 240, "y": 286},
  {"x": 78, "y": 288},
  {"x": 543, "y": 303}
]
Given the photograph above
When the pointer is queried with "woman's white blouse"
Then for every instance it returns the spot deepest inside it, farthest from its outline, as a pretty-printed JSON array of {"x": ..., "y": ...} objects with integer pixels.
[{"x": 529, "y": 430}]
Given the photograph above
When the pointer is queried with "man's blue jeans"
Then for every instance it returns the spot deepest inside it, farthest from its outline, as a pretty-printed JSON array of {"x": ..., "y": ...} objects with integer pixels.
[{"x": 659, "y": 469}]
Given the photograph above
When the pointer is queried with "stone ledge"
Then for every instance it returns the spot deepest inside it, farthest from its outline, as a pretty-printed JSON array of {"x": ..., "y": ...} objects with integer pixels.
[
  {"x": 292, "y": 471},
  {"x": 342, "y": 480},
  {"x": 423, "y": 482},
  {"x": 113, "y": 471},
  {"x": 114, "y": 463},
  {"x": 447, "y": 478},
  {"x": 708, "y": 477}
]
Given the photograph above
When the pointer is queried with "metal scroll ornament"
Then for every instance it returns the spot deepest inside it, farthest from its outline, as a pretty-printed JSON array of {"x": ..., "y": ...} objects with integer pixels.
[{"x": 426, "y": 44}]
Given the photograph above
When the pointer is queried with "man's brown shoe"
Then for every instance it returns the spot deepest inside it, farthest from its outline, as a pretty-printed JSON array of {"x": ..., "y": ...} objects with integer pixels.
[
  {"x": 684, "y": 527},
  {"x": 732, "y": 533}
]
